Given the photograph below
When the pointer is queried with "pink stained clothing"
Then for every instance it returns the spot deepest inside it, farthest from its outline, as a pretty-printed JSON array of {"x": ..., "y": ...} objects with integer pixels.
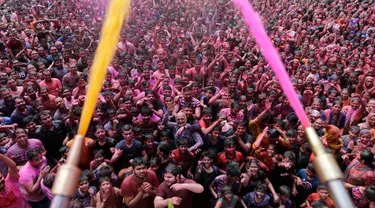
[
  {"x": 47, "y": 191},
  {"x": 19, "y": 155},
  {"x": 28, "y": 175},
  {"x": 54, "y": 86},
  {"x": 134, "y": 73},
  {"x": 113, "y": 71},
  {"x": 129, "y": 47},
  {"x": 157, "y": 74},
  {"x": 238, "y": 117},
  {"x": 16, "y": 93},
  {"x": 68, "y": 104},
  {"x": 12, "y": 196},
  {"x": 82, "y": 93},
  {"x": 154, "y": 118}
]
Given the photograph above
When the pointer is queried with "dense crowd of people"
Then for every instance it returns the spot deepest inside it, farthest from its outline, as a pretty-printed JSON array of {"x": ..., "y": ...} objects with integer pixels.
[{"x": 190, "y": 113}]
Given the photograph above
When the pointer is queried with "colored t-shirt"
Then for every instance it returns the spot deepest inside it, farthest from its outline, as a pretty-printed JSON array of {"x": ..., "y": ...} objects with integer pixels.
[
  {"x": 29, "y": 175},
  {"x": 53, "y": 87},
  {"x": 308, "y": 186},
  {"x": 129, "y": 152},
  {"x": 130, "y": 186},
  {"x": 359, "y": 199},
  {"x": 184, "y": 160},
  {"x": 166, "y": 192},
  {"x": 230, "y": 117},
  {"x": 249, "y": 200},
  {"x": 223, "y": 159},
  {"x": 86, "y": 153},
  {"x": 19, "y": 155},
  {"x": 12, "y": 196},
  {"x": 316, "y": 197},
  {"x": 219, "y": 182}
]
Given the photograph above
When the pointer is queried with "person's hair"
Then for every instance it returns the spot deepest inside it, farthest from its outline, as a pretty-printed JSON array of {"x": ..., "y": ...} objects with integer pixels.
[
  {"x": 104, "y": 179},
  {"x": 124, "y": 99},
  {"x": 186, "y": 89},
  {"x": 206, "y": 111},
  {"x": 307, "y": 147},
  {"x": 84, "y": 178},
  {"x": 251, "y": 161},
  {"x": 173, "y": 169},
  {"x": 182, "y": 142},
  {"x": 322, "y": 187},
  {"x": 208, "y": 154},
  {"x": 242, "y": 123},
  {"x": 48, "y": 180},
  {"x": 370, "y": 193},
  {"x": 89, "y": 174},
  {"x": 154, "y": 161},
  {"x": 365, "y": 132},
  {"x": 98, "y": 127},
  {"x": 311, "y": 168},
  {"x": 226, "y": 190},
  {"x": 337, "y": 102},
  {"x": 262, "y": 187},
  {"x": 28, "y": 119},
  {"x": 149, "y": 92},
  {"x": 139, "y": 161},
  {"x": 235, "y": 104},
  {"x": 228, "y": 143},
  {"x": 167, "y": 87},
  {"x": 19, "y": 131},
  {"x": 285, "y": 191},
  {"x": 33, "y": 153},
  {"x": 137, "y": 130},
  {"x": 146, "y": 110},
  {"x": 99, "y": 153},
  {"x": 368, "y": 157},
  {"x": 3, "y": 134},
  {"x": 187, "y": 105},
  {"x": 105, "y": 171},
  {"x": 290, "y": 155},
  {"x": 165, "y": 147},
  {"x": 291, "y": 133},
  {"x": 127, "y": 127},
  {"x": 292, "y": 118},
  {"x": 19, "y": 98},
  {"x": 355, "y": 128},
  {"x": 233, "y": 169},
  {"x": 165, "y": 133},
  {"x": 45, "y": 113},
  {"x": 319, "y": 204},
  {"x": 149, "y": 136}
]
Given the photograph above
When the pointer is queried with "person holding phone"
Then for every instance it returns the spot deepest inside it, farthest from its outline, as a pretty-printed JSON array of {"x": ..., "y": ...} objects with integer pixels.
[{"x": 31, "y": 176}]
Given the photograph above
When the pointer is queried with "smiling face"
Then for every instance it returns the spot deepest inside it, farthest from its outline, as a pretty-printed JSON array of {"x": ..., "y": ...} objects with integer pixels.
[
  {"x": 84, "y": 186},
  {"x": 36, "y": 161},
  {"x": 21, "y": 139},
  {"x": 170, "y": 179}
]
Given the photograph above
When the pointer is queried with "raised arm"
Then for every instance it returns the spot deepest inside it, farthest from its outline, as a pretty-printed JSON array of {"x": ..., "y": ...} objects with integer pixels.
[{"x": 13, "y": 171}]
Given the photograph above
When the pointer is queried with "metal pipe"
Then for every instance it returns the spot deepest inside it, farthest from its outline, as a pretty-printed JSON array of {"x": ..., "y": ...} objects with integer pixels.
[
  {"x": 66, "y": 182},
  {"x": 328, "y": 171},
  {"x": 339, "y": 194}
]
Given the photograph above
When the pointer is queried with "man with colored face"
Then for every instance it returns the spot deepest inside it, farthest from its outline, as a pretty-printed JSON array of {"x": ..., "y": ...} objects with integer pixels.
[
  {"x": 18, "y": 151},
  {"x": 229, "y": 154},
  {"x": 31, "y": 176},
  {"x": 10, "y": 191}
]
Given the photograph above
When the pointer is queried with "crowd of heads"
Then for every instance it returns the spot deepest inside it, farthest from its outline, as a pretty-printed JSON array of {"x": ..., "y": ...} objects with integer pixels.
[{"x": 189, "y": 107}]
